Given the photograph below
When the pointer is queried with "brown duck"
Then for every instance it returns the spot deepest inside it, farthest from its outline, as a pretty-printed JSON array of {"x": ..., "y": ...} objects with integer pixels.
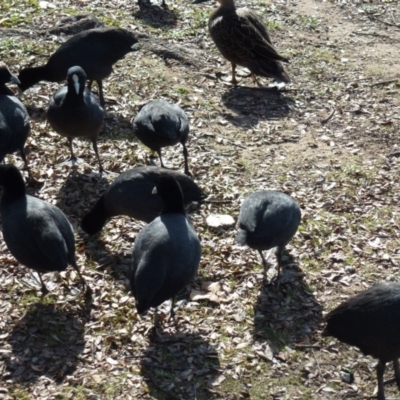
[{"x": 242, "y": 38}]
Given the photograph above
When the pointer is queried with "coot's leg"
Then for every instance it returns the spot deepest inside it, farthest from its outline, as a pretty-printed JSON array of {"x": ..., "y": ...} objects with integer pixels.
[
  {"x": 380, "y": 369},
  {"x": 159, "y": 155},
  {"x": 156, "y": 319},
  {"x": 101, "y": 95},
  {"x": 43, "y": 288},
  {"x": 101, "y": 169},
  {"x": 185, "y": 155},
  {"x": 73, "y": 156},
  {"x": 88, "y": 290},
  {"x": 234, "y": 81},
  {"x": 172, "y": 311},
  {"x": 396, "y": 372}
]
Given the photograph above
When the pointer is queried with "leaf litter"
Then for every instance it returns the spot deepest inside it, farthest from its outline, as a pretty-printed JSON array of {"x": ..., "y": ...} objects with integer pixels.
[{"x": 330, "y": 139}]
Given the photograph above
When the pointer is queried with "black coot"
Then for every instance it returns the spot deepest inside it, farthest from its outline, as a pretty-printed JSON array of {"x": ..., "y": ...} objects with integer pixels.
[
  {"x": 95, "y": 50},
  {"x": 167, "y": 251},
  {"x": 131, "y": 194},
  {"x": 37, "y": 233},
  {"x": 371, "y": 322},
  {"x": 268, "y": 219},
  {"x": 161, "y": 124},
  {"x": 75, "y": 111},
  {"x": 14, "y": 119}
]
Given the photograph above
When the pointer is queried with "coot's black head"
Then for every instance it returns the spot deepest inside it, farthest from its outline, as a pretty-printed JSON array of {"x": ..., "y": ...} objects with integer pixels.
[
  {"x": 12, "y": 180},
  {"x": 6, "y": 77},
  {"x": 76, "y": 78},
  {"x": 28, "y": 77},
  {"x": 171, "y": 195}
]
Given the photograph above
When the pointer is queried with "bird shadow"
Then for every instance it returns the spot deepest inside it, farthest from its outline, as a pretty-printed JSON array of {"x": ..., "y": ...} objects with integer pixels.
[
  {"x": 45, "y": 342},
  {"x": 116, "y": 264},
  {"x": 181, "y": 365},
  {"x": 287, "y": 313},
  {"x": 117, "y": 127},
  {"x": 76, "y": 197},
  {"x": 156, "y": 16},
  {"x": 77, "y": 191},
  {"x": 252, "y": 104}
]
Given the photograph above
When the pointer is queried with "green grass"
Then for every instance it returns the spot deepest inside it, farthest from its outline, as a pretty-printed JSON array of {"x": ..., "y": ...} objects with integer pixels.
[
  {"x": 18, "y": 13},
  {"x": 308, "y": 22},
  {"x": 273, "y": 25},
  {"x": 20, "y": 393}
]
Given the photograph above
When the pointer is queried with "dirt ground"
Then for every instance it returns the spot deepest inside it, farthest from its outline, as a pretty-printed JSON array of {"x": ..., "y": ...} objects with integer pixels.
[{"x": 329, "y": 139}]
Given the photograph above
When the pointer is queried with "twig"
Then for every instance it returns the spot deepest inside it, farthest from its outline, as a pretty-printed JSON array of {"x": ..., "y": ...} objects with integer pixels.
[
  {"x": 307, "y": 346},
  {"x": 324, "y": 121},
  {"x": 383, "y": 22},
  {"x": 357, "y": 80},
  {"x": 134, "y": 357},
  {"x": 376, "y": 35},
  {"x": 287, "y": 90},
  {"x": 217, "y": 201},
  {"x": 235, "y": 144},
  {"x": 209, "y": 76},
  {"x": 389, "y": 381},
  {"x": 384, "y": 82},
  {"x": 393, "y": 18},
  {"x": 319, "y": 369}
]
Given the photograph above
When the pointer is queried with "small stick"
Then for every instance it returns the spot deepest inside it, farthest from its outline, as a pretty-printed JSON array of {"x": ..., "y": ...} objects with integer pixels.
[
  {"x": 383, "y": 22},
  {"x": 324, "y": 121},
  {"x": 307, "y": 346},
  {"x": 374, "y": 34},
  {"x": 384, "y": 82},
  {"x": 316, "y": 360},
  {"x": 217, "y": 201}
]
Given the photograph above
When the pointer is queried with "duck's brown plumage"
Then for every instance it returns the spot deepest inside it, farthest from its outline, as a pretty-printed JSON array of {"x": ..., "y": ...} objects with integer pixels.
[{"x": 242, "y": 38}]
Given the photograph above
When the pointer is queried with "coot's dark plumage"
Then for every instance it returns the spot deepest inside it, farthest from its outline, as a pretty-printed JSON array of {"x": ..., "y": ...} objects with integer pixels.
[
  {"x": 37, "y": 233},
  {"x": 131, "y": 194},
  {"x": 268, "y": 219},
  {"x": 371, "y": 322},
  {"x": 74, "y": 111},
  {"x": 160, "y": 124},
  {"x": 14, "y": 119},
  {"x": 242, "y": 38},
  {"x": 166, "y": 253},
  {"x": 95, "y": 50}
]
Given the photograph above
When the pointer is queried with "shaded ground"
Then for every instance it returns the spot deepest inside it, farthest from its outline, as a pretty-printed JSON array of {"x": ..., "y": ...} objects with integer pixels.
[{"x": 330, "y": 139}]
